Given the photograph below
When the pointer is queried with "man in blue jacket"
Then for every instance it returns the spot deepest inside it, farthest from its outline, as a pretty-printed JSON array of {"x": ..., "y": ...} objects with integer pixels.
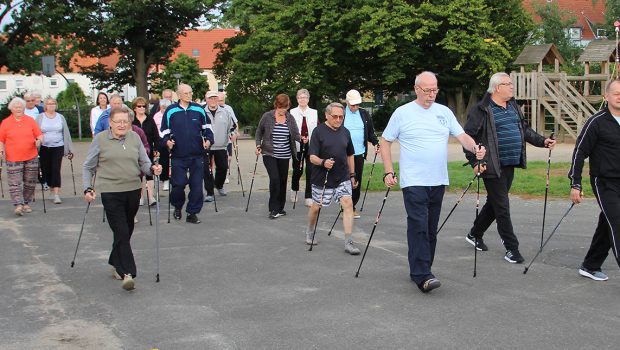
[{"x": 187, "y": 133}]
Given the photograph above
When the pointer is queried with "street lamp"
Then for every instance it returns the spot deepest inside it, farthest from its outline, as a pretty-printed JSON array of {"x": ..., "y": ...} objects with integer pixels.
[{"x": 178, "y": 76}]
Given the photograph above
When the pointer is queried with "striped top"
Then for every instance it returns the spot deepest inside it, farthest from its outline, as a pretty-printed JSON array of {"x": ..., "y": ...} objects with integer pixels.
[
  {"x": 281, "y": 141},
  {"x": 508, "y": 134}
]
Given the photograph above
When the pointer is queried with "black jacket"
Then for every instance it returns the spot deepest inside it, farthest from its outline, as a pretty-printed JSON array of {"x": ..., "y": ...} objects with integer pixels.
[
  {"x": 480, "y": 126},
  {"x": 150, "y": 130},
  {"x": 369, "y": 130},
  {"x": 600, "y": 142}
]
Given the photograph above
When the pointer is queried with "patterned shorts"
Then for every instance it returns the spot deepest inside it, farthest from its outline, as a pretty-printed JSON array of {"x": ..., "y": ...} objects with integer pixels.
[{"x": 344, "y": 189}]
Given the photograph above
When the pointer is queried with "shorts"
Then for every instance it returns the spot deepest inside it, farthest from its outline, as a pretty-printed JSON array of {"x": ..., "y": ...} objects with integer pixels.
[{"x": 344, "y": 189}]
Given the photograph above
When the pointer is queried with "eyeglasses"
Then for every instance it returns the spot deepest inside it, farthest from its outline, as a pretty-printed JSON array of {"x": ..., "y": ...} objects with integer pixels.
[
  {"x": 120, "y": 122},
  {"x": 140, "y": 106},
  {"x": 428, "y": 91},
  {"x": 337, "y": 116},
  {"x": 506, "y": 84}
]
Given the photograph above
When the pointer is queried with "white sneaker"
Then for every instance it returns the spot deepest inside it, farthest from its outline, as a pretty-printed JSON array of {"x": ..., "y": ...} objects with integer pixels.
[
  {"x": 308, "y": 202},
  {"x": 115, "y": 274},
  {"x": 309, "y": 239},
  {"x": 293, "y": 197},
  {"x": 128, "y": 283},
  {"x": 350, "y": 248},
  {"x": 135, "y": 219},
  {"x": 166, "y": 185},
  {"x": 141, "y": 201},
  {"x": 227, "y": 181},
  {"x": 57, "y": 199}
]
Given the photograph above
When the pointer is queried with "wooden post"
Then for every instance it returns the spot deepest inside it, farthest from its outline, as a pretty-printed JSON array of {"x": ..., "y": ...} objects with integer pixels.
[{"x": 586, "y": 84}]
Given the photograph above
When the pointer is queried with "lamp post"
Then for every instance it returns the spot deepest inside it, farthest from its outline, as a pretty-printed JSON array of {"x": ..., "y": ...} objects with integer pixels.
[{"x": 178, "y": 77}]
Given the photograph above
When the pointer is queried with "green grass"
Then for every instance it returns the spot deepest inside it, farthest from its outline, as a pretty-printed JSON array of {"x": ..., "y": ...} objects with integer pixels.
[{"x": 528, "y": 182}]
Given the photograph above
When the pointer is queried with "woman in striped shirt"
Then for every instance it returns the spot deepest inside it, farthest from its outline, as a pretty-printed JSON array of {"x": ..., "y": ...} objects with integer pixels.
[{"x": 275, "y": 139}]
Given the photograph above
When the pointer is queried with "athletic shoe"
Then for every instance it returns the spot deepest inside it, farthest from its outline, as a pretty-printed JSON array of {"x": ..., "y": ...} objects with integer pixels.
[
  {"x": 141, "y": 201},
  {"x": 115, "y": 274},
  {"x": 293, "y": 197},
  {"x": 227, "y": 181},
  {"x": 309, "y": 239},
  {"x": 152, "y": 202},
  {"x": 274, "y": 214},
  {"x": 166, "y": 185},
  {"x": 472, "y": 240},
  {"x": 429, "y": 284},
  {"x": 135, "y": 219},
  {"x": 593, "y": 274},
  {"x": 177, "y": 214},
  {"x": 222, "y": 192},
  {"x": 57, "y": 199},
  {"x": 127, "y": 283},
  {"x": 27, "y": 209},
  {"x": 209, "y": 199},
  {"x": 308, "y": 202},
  {"x": 356, "y": 215},
  {"x": 281, "y": 213},
  {"x": 350, "y": 247},
  {"x": 19, "y": 210},
  {"x": 192, "y": 219},
  {"x": 513, "y": 257},
  {"x": 46, "y": 187}
]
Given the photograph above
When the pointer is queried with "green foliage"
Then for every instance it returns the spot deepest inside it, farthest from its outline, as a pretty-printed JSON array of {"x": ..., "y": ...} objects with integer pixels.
[
  {"x": 190, "y": 74},
  {"x": 71, "y": 116},
  {"x": 66, "y": 98}
]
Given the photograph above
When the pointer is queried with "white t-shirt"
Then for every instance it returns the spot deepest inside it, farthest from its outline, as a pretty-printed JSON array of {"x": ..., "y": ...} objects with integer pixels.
[
  {"x": 423, "y": 136},
  {"x": 33, "y": 112}
]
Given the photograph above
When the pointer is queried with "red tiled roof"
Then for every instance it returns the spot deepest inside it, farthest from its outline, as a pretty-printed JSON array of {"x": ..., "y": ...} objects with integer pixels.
[
  {"x": 200, "y": 45},
  {"x": 582, "y": 10}
]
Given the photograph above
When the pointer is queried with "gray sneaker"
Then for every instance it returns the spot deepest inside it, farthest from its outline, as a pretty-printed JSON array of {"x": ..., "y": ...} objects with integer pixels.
[
  {"x": 309, "y": 239},
  {"x": 222, "y": 192},
  {"x": 57, "y": 199},
  {"x": 595, "y": 275},
  {"x": 209, "y": 199},
  {"x": 350, "y": 248}
]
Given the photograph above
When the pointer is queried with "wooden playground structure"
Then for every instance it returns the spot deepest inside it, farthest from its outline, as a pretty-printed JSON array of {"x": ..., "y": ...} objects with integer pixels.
[{"x": 554, "y": 101}]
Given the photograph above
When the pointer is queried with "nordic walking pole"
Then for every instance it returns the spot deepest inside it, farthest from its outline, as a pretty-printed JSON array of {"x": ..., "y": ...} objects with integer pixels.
[
  {"x": 301, "y": 171},
  {"x": 212, "y": 177},
  {"x": 41, "y": 181},
  {"x": 156, "y": 162},
  {"x": 318, "y": 214},
  {"x": 548, "y": 238},
  {"x": 1, "y": 185},
  {"x": 477, "y": 212},
  {"x": 149, "y": 206},
  {"x": 70, "y": 156},
  {"x": 335, "y": 221},
  {"x": 252, "y": 184},
  {"x": 169, "y": 175},
  {"x": 239, "y": 180},
  {"x": 83, "y": 221},
  {"x": 372, "y": 169},
  {"x": 458, "y": 201},
  {"x": 374, "y": 227},
  {"x": 542, "y": 231}
]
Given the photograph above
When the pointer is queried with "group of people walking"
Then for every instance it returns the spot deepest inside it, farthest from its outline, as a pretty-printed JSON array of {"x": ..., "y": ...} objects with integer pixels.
[{"x": 183, "y": 143}]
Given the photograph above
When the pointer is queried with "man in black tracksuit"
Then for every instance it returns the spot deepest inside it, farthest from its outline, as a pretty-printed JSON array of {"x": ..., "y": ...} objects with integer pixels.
[
  {"x": 498, "y": 123},
  {"x": 600, "y": 141}
]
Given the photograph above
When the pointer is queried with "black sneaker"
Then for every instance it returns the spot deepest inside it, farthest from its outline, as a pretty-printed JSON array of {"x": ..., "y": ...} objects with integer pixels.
[
  {"x": 513, "y": 257},
  {"x": 274, "y": 214},
  {"x": 472, "y": 240},
  {"x": 429, "y": 284},
  {"x": 192, "y": 219},
  {"x": 281, "y": 213},
  {"x": 177, "y": 214}
]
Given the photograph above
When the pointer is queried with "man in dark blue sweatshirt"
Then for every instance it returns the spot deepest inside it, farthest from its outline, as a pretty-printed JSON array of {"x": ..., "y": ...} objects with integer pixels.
[{"x": 187, "y": 133}]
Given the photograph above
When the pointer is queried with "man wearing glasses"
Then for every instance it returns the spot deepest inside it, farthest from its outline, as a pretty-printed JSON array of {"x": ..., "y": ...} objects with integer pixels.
[
  {"x": 422, "y": 128},
  {"x": 187, "y": 132},
  {"x": 331, "y": 151},
  {"x": 498, "y": 123}
]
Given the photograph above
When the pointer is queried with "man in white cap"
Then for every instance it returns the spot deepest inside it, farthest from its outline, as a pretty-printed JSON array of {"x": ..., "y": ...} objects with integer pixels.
[{"x": 359, "y": 123}]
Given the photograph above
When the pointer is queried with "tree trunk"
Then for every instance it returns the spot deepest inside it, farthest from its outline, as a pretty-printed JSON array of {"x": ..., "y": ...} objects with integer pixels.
[{"x": 140, "y": 73}]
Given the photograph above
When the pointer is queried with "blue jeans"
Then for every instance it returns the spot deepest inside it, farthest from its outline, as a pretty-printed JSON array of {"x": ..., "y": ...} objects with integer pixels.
[
  {"x": 423, "y": 206},
  {"x": 180, "y": 167}
]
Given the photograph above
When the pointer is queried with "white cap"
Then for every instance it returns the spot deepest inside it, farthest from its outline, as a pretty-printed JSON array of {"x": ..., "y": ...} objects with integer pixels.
[
  {"x": 354, "y": 97},
  {"x": 212, "y": 94}
]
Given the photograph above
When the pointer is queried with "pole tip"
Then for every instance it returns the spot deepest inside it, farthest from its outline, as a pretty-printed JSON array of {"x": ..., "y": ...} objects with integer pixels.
[
  {"x": 72, "y": 263},
  {"x": 357, "y": 274},
  {"x": 525, "y": 271}
]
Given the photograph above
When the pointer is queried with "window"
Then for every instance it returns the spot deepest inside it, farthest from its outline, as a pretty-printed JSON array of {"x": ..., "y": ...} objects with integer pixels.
[
  {"x": 574, "y": 33},
  {"x": 195, "y": 52},
  {"x": 53, "y": 83},
  {"x": 19, "y": 83},
  {"x": 601, "y": 33},
  {"x": 2, "y": 84}
]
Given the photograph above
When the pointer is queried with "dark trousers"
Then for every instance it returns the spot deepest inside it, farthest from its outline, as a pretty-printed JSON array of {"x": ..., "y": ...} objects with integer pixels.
[
  {"x": 359, "y": 171},
  {"x": 423, "y": 206},
  {"x": 497, "y": 208},
  {"x": 51, "y": 162},
  {"x": 221, "y": 168},
  {"x": 120, "y": 210},
  {"x": 180, "y": 168},
  {"x": 297, "y": 172},
  {"x": 607, "y": 233},
  {"x": 277, "y": 169},
  {"x": 164, "y": 161}
]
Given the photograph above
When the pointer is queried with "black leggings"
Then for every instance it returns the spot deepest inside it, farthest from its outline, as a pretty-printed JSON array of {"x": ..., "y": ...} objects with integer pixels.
[
  {"x": 51, "y": 161},
  {"x": 277, "y": 169}
]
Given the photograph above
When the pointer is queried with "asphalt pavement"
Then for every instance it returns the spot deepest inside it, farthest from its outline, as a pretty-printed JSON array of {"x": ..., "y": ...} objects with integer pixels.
[{"x": 242, "y": 281}]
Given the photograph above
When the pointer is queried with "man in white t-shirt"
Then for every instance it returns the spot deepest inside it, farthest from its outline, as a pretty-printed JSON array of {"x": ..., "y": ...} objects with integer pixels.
[
  {"x": 31, "y": 108},
  {"x": 422, "y": 128}
]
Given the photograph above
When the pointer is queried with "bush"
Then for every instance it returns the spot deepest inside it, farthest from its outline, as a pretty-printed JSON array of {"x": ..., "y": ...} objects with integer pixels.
[{"x": 72, "y": 120}]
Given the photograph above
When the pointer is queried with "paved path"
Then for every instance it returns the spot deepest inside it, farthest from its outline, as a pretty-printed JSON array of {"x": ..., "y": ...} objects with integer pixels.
[{"x": 242, "y": 281}]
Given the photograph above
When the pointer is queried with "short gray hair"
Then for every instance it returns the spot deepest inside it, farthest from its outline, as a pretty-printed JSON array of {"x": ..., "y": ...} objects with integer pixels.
[
  {"x": 419, "y": 76},
  {"x": 303, "y": 92},
  {"x": 333, "y": 105},
  {"x": 116, "y": 96},
  {"x": 15, "y": 101},
  {"x": 164, "y": 103},
  {"x": 495, "y": 80}
]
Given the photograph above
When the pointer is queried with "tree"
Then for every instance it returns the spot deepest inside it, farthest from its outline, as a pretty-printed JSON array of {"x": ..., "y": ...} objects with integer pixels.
[
  {"x": 552, "y": 29},
  {"x": 142, "y": 32},
  {"x": 66, "y": 98},
  {"x": 190, "y": 73}
]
